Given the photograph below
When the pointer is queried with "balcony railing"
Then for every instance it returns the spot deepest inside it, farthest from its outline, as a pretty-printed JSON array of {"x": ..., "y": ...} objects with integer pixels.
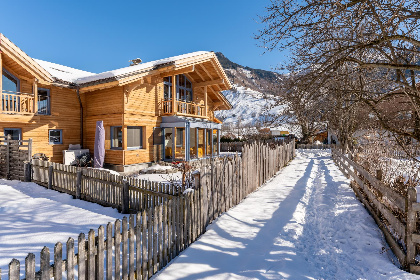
[
  {"x": 17, "y": 102},
  {"x": 183, "y": 108}
]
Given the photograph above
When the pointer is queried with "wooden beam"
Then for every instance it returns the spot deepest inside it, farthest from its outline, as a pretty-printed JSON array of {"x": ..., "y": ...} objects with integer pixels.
[
  {"x": 35, "y": 91},
  {"x": 221, "y": 73},
  {"x": 1, "y": 72},
  {"x": 205, "y": 70},
  {"x": 209, "y": 83},
  {"x": 124, "y": 131},
  {"x": 99, "y": 86},
  {"x": 205, "y": 100},
  {"x": 189, "y": 77},
  {"x": 173, "y": 94},
  {"x": 198, "y": 73},
  {"x": 29, "y": 68},
  {"x": 184, "y": 70}
]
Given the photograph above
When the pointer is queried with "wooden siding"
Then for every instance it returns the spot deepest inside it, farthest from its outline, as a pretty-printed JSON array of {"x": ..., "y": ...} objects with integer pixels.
[
  {"x": 129, "y": 102},
  {"x": 141, "y": 108},
  {"x": 103, "y": 105},
  {"x": 65, "y": 115}
]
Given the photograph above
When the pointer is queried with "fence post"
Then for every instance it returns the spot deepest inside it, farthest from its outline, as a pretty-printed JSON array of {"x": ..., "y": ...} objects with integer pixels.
[
  {"x": 30, "y": 149},
  {"x": 27, "y": 171},
  {"x": 30, "y": 267},
  {"x": 50, "y": 176},
  {"x": 411, "y": 226},
  {"x": 45, "y": 264},
  {"x": 8, "y": 156},
  {"x": 79, "y": 184},
  {"x": 14, "y": 270},
  {"x": 124, "y": 197}
]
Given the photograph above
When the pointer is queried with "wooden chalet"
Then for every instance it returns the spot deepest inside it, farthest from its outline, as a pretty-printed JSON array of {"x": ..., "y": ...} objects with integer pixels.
[{"x": 159, "y": 110}]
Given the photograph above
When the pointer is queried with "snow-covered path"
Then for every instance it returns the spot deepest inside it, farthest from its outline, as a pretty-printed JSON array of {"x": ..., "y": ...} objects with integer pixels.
[{"x": 304, "y": 224}]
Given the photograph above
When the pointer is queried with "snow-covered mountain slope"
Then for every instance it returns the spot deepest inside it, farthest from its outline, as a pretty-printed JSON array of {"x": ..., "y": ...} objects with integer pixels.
[
  {"x": 255, "y": 79},
  {"x": 254, "y": 98},
  {"x": 250, "y": 107}
]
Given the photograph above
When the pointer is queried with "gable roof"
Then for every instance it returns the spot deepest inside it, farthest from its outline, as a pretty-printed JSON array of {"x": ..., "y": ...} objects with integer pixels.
[
  {"x": 52, "y": 72},
  {"x": 30, "y": 66},
  {"x": 136, "y": 69},
  {"x": 83, "y": 78}
]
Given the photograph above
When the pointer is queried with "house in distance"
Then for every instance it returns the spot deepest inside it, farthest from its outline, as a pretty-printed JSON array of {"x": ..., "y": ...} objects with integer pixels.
[{"x": 159, "y": 110}]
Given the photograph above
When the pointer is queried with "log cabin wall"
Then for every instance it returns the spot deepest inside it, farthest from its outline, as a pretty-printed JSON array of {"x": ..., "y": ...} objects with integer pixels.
[
  {"x": 103, "y": 105},
  {"x": 141, "y": 108},
  {"x": 64, "y": 115},
  {"x": 117, "y": 103}
]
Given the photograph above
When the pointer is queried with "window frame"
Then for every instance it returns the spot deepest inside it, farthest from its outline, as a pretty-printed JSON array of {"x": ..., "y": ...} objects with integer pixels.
[
  {"x": 189, "y": 92},
  {"x": 112, "y": 137},
  {"x": 169, "y": 84},
  {"x": 13, "y": 77},
  {"x": 12, "y": 128},
  {"x": 184, "y": 88},
  {"x": 49, "y": 137},
  {"x": 182, "y": 138},
  {"x": 141, "y": 138},
  {"x": 48, "y": 102}
]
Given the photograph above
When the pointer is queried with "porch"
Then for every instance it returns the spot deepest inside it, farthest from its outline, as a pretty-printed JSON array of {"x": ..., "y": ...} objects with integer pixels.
[{"x": 189, "y": 138}]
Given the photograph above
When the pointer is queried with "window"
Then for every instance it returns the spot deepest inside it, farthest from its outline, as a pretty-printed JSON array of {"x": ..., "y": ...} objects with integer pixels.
[
  {"x": 43, "y": 101},
  {"x": 55, "y": 136},
  {"x": 184, "y": 90},
  {"x": 167, "y": 88},
  {"x": 180, "y": 137},
  {"x": 15, "y": 133},
  {"x": 10, "y": 82},
  {"x": 134, "y": 137},
  {"x": 116, "y": 137}
]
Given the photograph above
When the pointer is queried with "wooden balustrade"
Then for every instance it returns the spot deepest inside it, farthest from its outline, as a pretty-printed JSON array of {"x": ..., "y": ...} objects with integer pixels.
[
  {"x": 183, "y": 108},
  {"x": 17, "y": 102}
]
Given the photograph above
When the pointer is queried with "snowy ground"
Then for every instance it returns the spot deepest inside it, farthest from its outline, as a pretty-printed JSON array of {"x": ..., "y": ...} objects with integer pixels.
[
  {"x": 304, "y": 224},
  {"x": 32, "y": 217}
]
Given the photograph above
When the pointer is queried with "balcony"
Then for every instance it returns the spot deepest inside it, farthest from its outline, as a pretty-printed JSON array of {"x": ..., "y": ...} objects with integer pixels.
[
  {"x": 183, "y": 108},
  {"x": 17, "y": 103}
]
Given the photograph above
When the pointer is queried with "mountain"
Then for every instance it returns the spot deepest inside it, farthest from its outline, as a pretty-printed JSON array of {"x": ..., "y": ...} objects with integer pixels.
[
  {"x": 266, "y": 82},
  {"x": 250, "y": 107},
  {"x": 253, "y": 96}
]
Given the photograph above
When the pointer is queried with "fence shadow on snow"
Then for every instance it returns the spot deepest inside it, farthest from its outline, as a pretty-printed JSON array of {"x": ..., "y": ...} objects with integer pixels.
[{"x": 167, "y": 219}]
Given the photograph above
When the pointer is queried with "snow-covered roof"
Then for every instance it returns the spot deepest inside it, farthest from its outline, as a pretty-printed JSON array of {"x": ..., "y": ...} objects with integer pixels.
[
  {"x": 136, "y": 68},
  {"x": 63, "y": 73},
  {"x": 71, "y": 75}
]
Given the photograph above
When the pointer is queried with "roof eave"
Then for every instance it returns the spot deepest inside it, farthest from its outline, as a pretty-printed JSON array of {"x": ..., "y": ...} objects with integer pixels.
[{"x": 30, "y": 65}]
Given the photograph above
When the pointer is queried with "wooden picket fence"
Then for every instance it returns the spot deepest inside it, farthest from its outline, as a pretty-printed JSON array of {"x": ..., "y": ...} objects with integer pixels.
[
  {"x": 392, "y": 152},
  {"x": 138, "y": 247},
  {"x": 231, "y": 146},
  {"x": 102, "y": 187},
  {"x": 395, "y": 214},
  {"x": 314, "y": 146},
  {"x": 13, "y": 154}
]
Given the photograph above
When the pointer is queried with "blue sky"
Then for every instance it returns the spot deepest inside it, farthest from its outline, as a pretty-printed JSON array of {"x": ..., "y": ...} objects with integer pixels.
[{"x": 99, "y": 36}]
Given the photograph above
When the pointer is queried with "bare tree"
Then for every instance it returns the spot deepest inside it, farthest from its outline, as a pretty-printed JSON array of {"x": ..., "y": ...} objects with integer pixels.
[{"x": 362, "y": 55}]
